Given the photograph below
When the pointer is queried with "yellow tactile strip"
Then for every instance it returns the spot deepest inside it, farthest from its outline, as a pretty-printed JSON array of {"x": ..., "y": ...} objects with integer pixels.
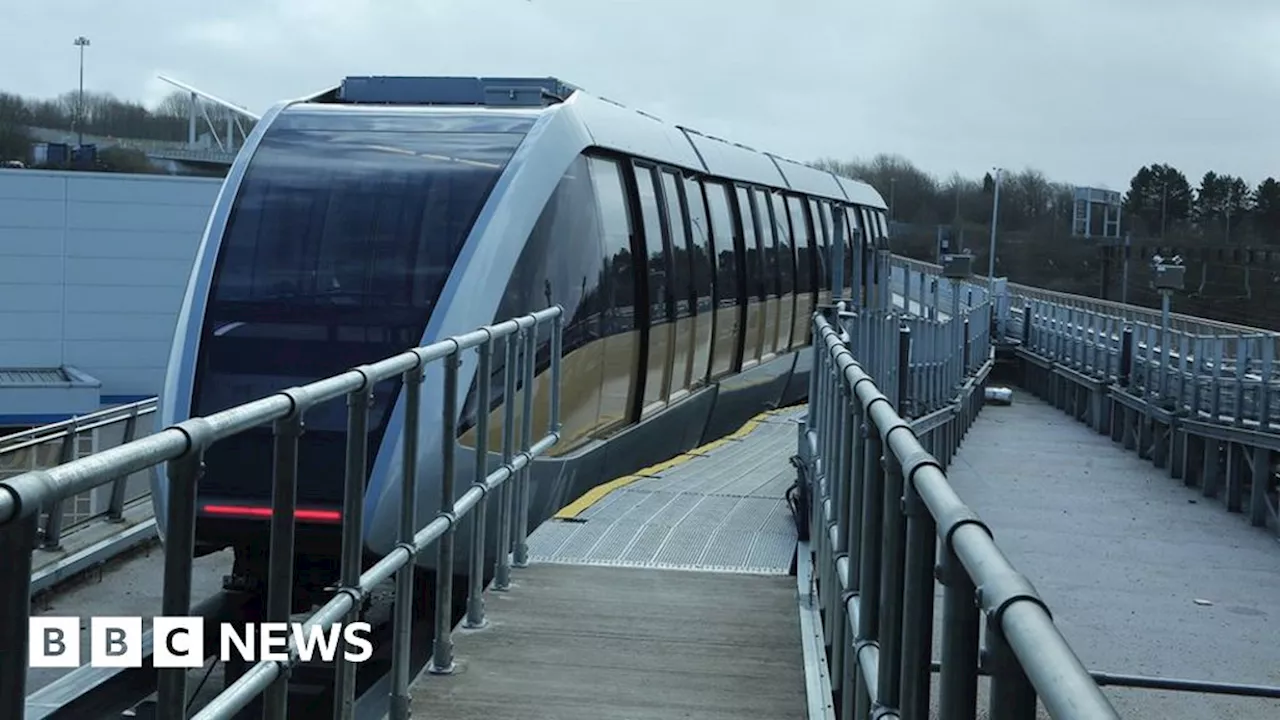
[{"x": 599, "y": 492}]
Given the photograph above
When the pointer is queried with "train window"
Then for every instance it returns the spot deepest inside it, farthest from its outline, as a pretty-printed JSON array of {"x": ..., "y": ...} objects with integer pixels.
[
  {"x": 347, "y": 237},
  {"x": 616, "y": 227},
  {"x": 802, "y": 232},
  {"x": 752, "y": 275},
  {"x": 873, "y": 233},
  {"x": 703, "y": 267},
  {"x": 872, "y": 226},
  {"x": 854, "y": 231},
  {"x": 722, "y": 240},
  {"x": 806, "y": 270},
  {"x": 822, "y": 232},
  {"x": 769, "y": 274},
  {"x": 681, "y": 283},
  {"x": 786, "y": 251},
  {"x": 618, "y": 312},
  {"x": 786, "y": 271},
  {"x": 657, "y": 372},
  {"x": 681, "y": 246},
  {"x": 751, "y": 247},
  {"x": 768, "y": 245},
  {"x": 377, "y": 223},
  {"x": 656, "y": 265}
]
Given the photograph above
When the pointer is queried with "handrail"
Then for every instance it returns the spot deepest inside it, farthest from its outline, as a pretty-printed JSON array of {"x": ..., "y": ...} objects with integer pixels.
[
  {"x": 182, "y": 447},
  {"x": 68, "y": 433},
  {"x": 881, "y": 499},
  {"x": 1125, "y": 310},
  {"x": 79, "y": 423}
]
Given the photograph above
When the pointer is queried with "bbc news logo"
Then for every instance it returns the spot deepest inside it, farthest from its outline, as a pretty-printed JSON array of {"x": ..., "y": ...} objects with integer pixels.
[{"x": 54, "y": 642}]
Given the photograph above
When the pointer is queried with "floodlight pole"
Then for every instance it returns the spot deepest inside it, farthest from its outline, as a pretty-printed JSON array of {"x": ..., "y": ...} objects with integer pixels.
[{"x": 81, "y": 42}]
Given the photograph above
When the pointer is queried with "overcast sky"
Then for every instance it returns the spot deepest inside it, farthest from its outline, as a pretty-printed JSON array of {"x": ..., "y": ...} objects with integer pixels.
[{"x": 1085, "y": 90}]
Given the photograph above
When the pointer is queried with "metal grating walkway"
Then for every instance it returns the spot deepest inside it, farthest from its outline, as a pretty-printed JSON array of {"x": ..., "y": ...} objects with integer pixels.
[
  {"x": 719, "y": 508},
  {"x": 648, "y": 636}
]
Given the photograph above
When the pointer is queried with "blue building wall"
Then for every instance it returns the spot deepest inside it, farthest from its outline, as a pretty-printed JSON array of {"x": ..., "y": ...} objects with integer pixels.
[{"x": 92, "y": 271}]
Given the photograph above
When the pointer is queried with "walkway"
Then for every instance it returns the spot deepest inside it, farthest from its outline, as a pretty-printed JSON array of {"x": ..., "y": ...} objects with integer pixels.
[
  {"x": 665, "y": 594},
  {"x": 1144, "y": 575}
]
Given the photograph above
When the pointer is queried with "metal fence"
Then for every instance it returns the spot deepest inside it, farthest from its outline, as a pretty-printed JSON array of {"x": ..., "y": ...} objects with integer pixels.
[
  {"x": 882, "y": 508},
  {"x": 59, "y": 443},
  {"x": 182, "y": 448},
  {"x": 1018, "y": 296},
  {"x": 1220, "y": 377}
]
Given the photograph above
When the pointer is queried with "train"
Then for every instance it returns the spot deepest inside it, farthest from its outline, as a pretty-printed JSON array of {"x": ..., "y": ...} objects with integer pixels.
[{"x": 387, "y": 213}]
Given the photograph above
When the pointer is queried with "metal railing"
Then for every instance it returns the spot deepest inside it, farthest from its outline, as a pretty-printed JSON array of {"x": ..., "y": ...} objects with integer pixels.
[
  {"x": 1228, "y": 378},
  {"x": 882, "y": 506},
  {"x": 182, "y": 448},
  {"x": 62, "y": 442},
  {"x": 1019, "y": 295}
]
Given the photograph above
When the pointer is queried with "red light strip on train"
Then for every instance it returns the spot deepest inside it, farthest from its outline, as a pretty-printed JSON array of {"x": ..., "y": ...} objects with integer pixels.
[{"x": 265, "y": 512}]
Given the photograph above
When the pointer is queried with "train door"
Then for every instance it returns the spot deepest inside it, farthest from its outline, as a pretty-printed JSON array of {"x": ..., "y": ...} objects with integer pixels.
[
  {"x": 703, "y": 266},
  {"x": 619, "y": 399},
  {"x": 769, "y": 274},
  {"x": 747, "y": 243},
  {"x": 657, "y": 325},
  {"x": 680, "y": 256},
  {"x": 786, "y": 272},
  {"x": 806, "y": 270},
  {"x": 729, "y": 321}
]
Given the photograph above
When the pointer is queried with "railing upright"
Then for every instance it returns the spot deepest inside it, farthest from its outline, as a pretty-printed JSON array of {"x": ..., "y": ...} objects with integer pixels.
[
  {"x": 182, "y": 449},
  {"x": 883, "y": 501}
]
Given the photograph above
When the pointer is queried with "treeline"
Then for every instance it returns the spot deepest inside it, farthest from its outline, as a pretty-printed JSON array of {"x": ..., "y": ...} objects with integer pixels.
[
  {"x": 1160, "y": 203},
  {"x": 101, "y": 115}
]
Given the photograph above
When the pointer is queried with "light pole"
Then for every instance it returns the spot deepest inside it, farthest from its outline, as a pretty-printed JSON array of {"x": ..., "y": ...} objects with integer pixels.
[
  {"x": 81, "y": 42},
  {"x": 995, "y": 212}
]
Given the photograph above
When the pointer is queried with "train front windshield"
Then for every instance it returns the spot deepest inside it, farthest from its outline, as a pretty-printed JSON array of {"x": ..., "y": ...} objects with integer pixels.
[{"x": 337, "y": 247}]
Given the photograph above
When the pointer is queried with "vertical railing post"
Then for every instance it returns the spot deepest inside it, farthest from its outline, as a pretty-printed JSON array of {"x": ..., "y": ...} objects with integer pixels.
[
  {"x": 357, "y": 469},
  {"x": 115, "y": 508},
  {"x": 53, "y": 523},
  {"x": 17, "y": 542},
  {"x": 857, "y": 465},
  {"x": 917, "y": 602},
  {"x": 484, "y": 399},
  {"x": 892, "y": 572},
  {"x": 284, "y": 502},
  {"x": 958, "y": 679},
  {"x": 1028, "y": 319},
  {"x": 837, "y": 257},
  {"x": 869, "y": 547},
  {"x": 502, "y": 571},
  {"x": 180, "y": 541},
  {"x": 904, "y": 371},
  {"x": 442, "y": 655},
  {"x": 839, "y": 485},
  {"x": 403, "y": 628},
  {"x": 524, "y": 487},
  {"x": 1012, "y": 696},
  {"x": 1126, "y": 358},
  {"x": 967, "y": 357},
  {"x": 557, "y": 347}
]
